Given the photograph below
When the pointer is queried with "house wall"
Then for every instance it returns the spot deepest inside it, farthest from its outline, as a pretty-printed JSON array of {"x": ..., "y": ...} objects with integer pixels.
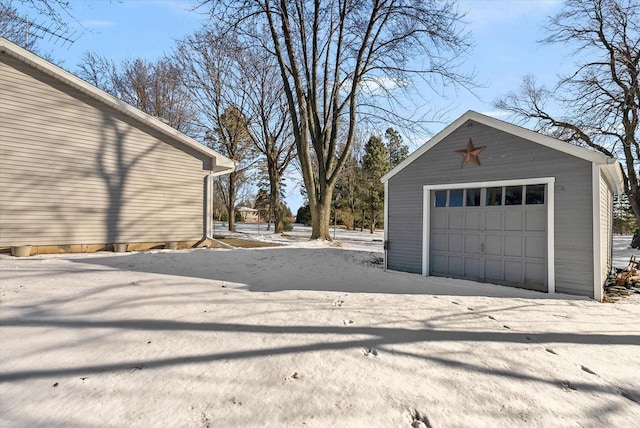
[
  {"x": 506, "y": 157},
  {"x": 606, "y": 227},
  {"x": 75, "y": 171}
]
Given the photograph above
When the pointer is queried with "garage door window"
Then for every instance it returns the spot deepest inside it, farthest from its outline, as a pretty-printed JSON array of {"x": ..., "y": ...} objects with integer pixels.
[
  {"x": 440, "y": 198},
  {"x": 535, "y": 194},
  {"x": 513, "y": 195},
  {"x": 456, "y": 197},
  {"x": 473, "y": 197},
  {"x": 494, "y": 196}
]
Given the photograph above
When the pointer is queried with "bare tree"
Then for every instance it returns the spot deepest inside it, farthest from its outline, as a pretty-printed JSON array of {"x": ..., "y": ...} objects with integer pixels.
[
  {"x": 155, "y": 87},
  {"x": 333, "y": 56},
  {"x": 209, "y": 63},
  {"x": 56, "y": 10},
  {"x": 601, "y": 97},
  {"x": 270, "y": 126},
  {"x": 231, "y": 138}
]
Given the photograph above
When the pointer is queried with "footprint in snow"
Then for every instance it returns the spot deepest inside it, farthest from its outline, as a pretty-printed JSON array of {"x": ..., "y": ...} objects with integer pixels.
[
  {"x": 420, "y": 419},
  {"x": 338, "y": 303},
  {"x": 370, "y": 352}
]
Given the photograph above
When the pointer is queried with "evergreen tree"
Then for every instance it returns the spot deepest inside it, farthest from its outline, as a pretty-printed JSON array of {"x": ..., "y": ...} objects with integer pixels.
[
  {"x": 374, "y": 166},
  {"x": 263, "y": 205},
  {"x": 397, "y": 151}
]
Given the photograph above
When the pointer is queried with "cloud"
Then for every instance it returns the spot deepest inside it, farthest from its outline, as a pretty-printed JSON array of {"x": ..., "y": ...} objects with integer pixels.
[
  {"x": 379, "y": 84},
  {"x": 488, "y": 13},
  {"x": 96, "y": 23},
  {"x": 496, "y": 113}
]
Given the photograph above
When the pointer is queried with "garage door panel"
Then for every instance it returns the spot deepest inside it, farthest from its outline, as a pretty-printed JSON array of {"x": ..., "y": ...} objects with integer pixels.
[
  {"x": 535, "y": 247},
  {"x": 535, "y": 273},
  {"x": 535, "y": 221},
  {"x": 473, "y": 220},
  {"x": 439, "y": 219},
  {"x": 472, "y": 268},
  {"x": 439, "y": 264},
  {"x": 513, "y": 271},
  {"x": 455, "y": 265},
  {"x": 472, "y": 244},
  {"x": 513, "y": 220},
  {"x": 493, "y": 245},
  {"x": 455, "y": 243},
  {"x": 439, "y": 241},
  {"x": 456, "y": 220},
  {"x": 493, "y": 270},
  {"x": 513, "y": 246},
  {"x": 493, "y": 219}
]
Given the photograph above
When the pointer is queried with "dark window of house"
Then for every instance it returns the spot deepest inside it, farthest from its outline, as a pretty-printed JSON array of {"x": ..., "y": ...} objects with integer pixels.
[
  {"x": 513, "y": 195},
  {"x": 473, "y": 197},
  {"x": 535, "y": 194},
  {"x": 494, "y": 196},
  {"x": 441, "y": 198},
  {"x": 456, "y": 197}
]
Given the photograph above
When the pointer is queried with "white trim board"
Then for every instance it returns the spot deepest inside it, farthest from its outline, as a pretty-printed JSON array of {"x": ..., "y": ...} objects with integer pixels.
[
  {"x": 597, "y": 247},
  {"x": 550, "y": 199},
  {"x": 386, "y": 222}
]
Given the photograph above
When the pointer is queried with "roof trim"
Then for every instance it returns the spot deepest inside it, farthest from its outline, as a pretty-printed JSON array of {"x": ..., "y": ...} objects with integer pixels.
[
  {"x": 580, "y": 152},
  {"x": 222, "y": 164}
]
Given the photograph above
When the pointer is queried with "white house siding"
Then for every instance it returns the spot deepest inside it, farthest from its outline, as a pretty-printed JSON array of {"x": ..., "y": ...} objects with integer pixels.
[
  {"x": 74, "y": 171},
  {"x": 507, "y": 157},
  {"x": 606, "y": 227}
]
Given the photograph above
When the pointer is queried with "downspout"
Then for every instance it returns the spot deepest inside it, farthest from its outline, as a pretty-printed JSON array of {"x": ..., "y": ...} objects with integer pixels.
[
  {"x": 208, "y": 196},
  {"x": 209, "y": 203}
]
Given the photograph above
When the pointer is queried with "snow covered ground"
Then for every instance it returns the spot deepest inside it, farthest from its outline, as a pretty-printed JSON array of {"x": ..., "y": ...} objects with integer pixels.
[{"x": 303, "y": 334}]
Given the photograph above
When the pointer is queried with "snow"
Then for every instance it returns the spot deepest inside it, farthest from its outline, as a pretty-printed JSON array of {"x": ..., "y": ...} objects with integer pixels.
[{"x": 305, "y": 333}]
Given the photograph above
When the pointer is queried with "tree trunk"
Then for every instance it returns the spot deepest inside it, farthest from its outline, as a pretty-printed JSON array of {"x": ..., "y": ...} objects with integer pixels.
[
  {"x": 277, "y": 211},
  {"x": 274, "y": 198},
  {"x": 372, "y": 225},
  {"x": 635, "y": 241},
  {"x": 321, "y": 215},
  {"x": 231, "y": 206}
]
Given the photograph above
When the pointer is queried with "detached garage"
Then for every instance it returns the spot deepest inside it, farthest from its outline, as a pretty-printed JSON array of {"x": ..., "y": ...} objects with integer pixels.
[{"x": 489, "y": 201}]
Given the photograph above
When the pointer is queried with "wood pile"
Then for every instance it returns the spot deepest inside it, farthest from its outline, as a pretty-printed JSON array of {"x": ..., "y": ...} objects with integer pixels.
[{"x": 625, "y": 281}]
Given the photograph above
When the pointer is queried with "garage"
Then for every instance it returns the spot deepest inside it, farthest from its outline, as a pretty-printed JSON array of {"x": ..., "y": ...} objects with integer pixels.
[{"x": 488, "y": 201}]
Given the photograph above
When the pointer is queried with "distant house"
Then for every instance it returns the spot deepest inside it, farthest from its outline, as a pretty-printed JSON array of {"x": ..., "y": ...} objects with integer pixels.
[
  {"x": 489, "y": 201},
  {"x": 249, "y": 215},
  {"x": 81, "y": 170}
]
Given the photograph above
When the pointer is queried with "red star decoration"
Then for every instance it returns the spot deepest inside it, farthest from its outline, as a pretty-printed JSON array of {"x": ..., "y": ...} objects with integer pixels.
[{"x": 470, "y": 154}]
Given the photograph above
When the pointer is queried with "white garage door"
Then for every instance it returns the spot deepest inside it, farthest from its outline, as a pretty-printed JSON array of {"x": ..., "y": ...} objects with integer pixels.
[{"x": 490, "y": 234}]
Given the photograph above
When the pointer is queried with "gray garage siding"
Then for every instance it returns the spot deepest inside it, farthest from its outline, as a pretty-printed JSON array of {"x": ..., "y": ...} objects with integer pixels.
[
  {"x": 75, "y": 171},
  {"x": 507, "y": 157}
]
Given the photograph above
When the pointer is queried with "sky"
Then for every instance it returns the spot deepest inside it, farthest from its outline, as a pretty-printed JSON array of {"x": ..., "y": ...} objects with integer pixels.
[{"x": 505, "y": 33}]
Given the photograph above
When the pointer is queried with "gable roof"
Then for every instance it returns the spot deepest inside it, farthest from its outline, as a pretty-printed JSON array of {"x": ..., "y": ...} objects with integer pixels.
[
  {"x": 611, "y": 166},
  {"x": 222, "y": 164}
]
